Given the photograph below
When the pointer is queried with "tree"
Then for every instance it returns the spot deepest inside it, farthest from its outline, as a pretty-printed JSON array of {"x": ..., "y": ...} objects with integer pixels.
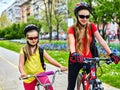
[
  {"x": 4, "y": 21},
  {"x": 60, "y": 16},
  {"x": 71, "y": 6},
  {"x": 116, "y": 13},
  {"x": 32, "y": 20},
  {"x": 106, "y": 11},
  {"x": 48, "y": 14},
  {"x": 53, "y": 17}
]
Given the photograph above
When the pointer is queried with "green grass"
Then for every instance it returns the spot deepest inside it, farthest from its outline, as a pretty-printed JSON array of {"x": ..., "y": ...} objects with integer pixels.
[
  {"x": 111, "y": 73},
  {"x": 60, "y": 56},
  {"x": 53, "y": 41},
  {"x": 11, "y": 45}
]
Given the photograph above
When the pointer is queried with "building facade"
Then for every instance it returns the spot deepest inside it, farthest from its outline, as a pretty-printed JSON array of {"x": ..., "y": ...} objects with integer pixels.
[
  {"x": 20, "y": 10},
  {"x": 13, "y": 12}
]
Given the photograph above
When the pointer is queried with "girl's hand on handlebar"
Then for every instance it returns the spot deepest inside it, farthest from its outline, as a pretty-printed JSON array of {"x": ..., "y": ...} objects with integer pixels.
[
  {"x": 63, "y": 68},
  {"x": 115, "y": 58},
  {"x": 75, "y": 57},
  {"x": 22, "y": 75}
]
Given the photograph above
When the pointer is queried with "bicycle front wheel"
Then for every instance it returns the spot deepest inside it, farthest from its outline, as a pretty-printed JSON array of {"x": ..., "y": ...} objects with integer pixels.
[
  {"x": 79, "y": 82},
  {"x": 39, "y": 87},
  {"x": 98, "y": 85}
]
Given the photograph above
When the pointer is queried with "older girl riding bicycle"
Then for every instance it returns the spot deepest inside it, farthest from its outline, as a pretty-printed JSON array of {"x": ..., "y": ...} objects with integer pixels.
[{"x": 79, "y": 41}]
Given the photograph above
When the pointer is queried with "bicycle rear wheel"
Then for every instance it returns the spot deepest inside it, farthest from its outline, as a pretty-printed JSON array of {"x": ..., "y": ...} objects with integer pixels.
[{"x": 79, "y": 82}]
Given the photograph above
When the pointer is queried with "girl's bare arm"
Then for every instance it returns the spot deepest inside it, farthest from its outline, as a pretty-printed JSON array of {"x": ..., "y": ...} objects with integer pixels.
[{"x": 102, "y": 42}]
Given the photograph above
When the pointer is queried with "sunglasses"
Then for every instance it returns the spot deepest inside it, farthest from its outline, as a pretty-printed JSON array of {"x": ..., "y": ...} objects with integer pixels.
[
  {"x": 84, "y": 16},
  {"x": 31, "y": 38}
]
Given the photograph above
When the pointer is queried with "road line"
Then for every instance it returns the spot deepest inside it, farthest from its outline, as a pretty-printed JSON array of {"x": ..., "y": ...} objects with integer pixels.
[{"x": 6, "y": 60}]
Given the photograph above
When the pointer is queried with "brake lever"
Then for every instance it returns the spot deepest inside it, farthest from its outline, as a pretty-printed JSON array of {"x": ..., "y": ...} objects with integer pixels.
[{"x": 108, "y": 61}]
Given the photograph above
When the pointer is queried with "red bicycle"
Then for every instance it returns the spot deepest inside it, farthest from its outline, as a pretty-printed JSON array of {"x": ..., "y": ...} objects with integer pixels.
[{"x": 90, "y": 81}]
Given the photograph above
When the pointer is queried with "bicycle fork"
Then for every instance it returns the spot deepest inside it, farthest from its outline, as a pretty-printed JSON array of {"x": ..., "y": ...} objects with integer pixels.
[
  {"x": 87, "y": 79},
  {"x": 85, "y": 82}
]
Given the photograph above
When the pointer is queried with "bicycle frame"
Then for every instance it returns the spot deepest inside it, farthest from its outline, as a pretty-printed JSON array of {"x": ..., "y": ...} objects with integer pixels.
[
  {"x": 46, "y": 85},
  {"x": 89, "y": 81}
]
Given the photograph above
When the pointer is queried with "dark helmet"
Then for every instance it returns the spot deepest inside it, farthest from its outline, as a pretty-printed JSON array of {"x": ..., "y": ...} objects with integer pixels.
[
  {"x": 81, "y": 6},
  {"x": 30, "y": 27}
]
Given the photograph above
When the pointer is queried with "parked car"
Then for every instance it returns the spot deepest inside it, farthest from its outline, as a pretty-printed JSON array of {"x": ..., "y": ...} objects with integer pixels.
[
  {"x": 63, "y": 36},
  {"x": 2, "y": 38}
]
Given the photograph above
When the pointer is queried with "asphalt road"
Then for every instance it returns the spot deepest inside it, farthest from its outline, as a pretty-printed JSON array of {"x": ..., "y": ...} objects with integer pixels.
[{"x": 9, "y": 73}]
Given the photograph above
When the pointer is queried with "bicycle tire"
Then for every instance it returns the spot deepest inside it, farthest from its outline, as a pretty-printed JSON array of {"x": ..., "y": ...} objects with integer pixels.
[
  {"x": 79, "y": 82},
  {"x": 40, "y": 88},
  {"x": 97, "y": 85},
  {"x": 91, "y": 87}
]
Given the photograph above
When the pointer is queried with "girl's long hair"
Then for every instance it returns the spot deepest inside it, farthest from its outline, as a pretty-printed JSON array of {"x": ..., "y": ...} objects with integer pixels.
[
  {"x": 79, "y": 38},
  {"x": 27, "y": 50}
]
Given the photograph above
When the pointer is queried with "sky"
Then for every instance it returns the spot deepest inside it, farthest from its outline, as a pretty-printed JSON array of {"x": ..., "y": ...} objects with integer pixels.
[{"x": 4, "y": 4}]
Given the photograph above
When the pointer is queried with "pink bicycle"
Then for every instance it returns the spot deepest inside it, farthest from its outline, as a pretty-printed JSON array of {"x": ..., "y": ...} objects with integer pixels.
[{"x": 46, "y": 85}]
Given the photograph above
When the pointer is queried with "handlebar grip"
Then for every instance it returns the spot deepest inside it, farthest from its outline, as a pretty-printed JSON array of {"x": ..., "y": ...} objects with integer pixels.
[
  {"x": 96, "y": 59},
  {"x": 108, "y": 61},
  {"x": 45, "y": 73},
  {"x": 25, "y": 77}
]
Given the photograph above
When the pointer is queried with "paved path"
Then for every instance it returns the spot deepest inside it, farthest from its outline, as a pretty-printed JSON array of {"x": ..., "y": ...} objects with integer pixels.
[{"x": 9, "y": 73}]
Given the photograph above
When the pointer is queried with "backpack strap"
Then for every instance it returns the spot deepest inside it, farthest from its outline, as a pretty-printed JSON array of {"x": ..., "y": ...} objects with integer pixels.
[
  {"x": 93, "y": 47},
  {"x": 93, "y": 38},
  {"x": 25, "y": 58},
  {"x": 41, "y": 51}
]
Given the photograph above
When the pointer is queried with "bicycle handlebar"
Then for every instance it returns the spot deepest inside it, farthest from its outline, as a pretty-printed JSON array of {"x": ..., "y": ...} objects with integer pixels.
[
  {"x": 96, "y": 59},
  {"x": 38, "y": 75},
  {"x": 42, "y": 75},
  {"x": 93, "y": 61}
]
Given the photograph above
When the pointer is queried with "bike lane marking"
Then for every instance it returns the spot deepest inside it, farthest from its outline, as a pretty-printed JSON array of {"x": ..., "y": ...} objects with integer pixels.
[{"x": 10, "y": 63}]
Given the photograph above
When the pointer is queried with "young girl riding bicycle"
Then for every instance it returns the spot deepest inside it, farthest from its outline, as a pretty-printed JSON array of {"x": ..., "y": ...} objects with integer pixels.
[{"x": 29, "y": 59}]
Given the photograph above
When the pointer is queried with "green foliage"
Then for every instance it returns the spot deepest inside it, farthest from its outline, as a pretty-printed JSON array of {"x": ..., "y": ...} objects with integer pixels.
[
  {"x": 2, "y": 33},
  {"x": 32, "y": 20},
  {"x": 12, "y": 32},
  {"x": 44, "y": 26},
  {"x": 15, "y": 31},
  {"x": 71, "y": 6},
  {"x": 111, "y": 74},
  {"x": 64, "y": 26}
]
